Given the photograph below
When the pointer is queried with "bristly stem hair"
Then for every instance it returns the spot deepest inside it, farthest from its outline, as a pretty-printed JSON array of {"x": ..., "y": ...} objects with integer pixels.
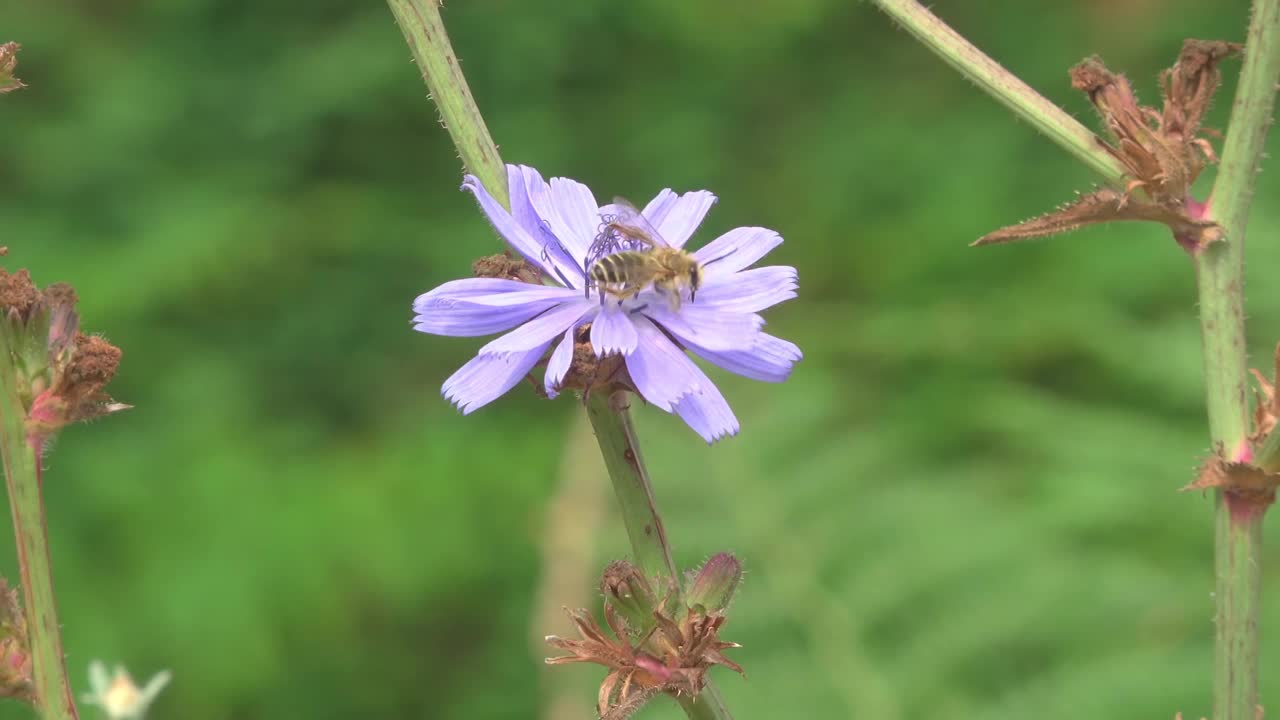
[
  {"x": 1220, "y": 277},
  {"x": 424, "y": 31},
  {"x": 1003, "y": 85},
  {"x": 1220, "y": 269},
  {"x": 21, "y": 455}
]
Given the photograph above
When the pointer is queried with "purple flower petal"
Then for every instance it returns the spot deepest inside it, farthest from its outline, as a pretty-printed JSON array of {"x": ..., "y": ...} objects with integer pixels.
[
  {"x": 521, "y": 181},
  {"x": 540, "y": 330},
  {"x": 612, "y": 331},
  {"x": 750, "y": 290},
  {"x": 769, "y": 360},
  {"x": 684, "y": 216},
  {"x": 488, "y": 377},
  {"x": 490, "y": 291},
  {"x": 736, "y": 249},
  {"x": 544, "y": 224},
  {"x": 481, "y": 306},
  {"x": 571, "y": 214},
  {"x": 661, "y": 371},
  {"x": 516, "y": 236},
  {"x": 708, "y": 414},
  {"x": 656, "y": 211},
  {"x": 711, "y": 328},
  {"x": 559, "y": 363}
]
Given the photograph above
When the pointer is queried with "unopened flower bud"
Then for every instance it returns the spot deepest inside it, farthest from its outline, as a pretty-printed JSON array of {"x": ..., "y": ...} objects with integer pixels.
[
  {"x": 713, "y": 587},
  {"x": 626, "y": 589}
]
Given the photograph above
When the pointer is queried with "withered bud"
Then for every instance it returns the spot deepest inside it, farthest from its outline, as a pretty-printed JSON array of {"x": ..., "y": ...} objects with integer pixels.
[
  {"x": 60, "y": 372},
  {"x": 1190, "y": 84},
  {"x": 625, "y": 588},
  {"x": 18, "y": 293},
  {"x": 1161, "y": 153},
  {"x": 8, "y": 62},
  {"x": 15, "y": 653},
  {"x": 505, "y": 266},
  {"x": 712, "y": 588}
]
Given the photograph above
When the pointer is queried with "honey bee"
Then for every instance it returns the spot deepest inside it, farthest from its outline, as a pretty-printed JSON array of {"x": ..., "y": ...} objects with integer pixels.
[{"x": 629, "y": 255}]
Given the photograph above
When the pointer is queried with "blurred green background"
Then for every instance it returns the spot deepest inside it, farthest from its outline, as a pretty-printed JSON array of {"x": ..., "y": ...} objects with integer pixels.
[{"x": 962, "y": 505}]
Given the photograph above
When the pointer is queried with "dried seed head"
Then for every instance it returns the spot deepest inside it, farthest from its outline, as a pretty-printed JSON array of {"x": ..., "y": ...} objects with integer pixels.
[
  {"x": 670, "y": 655},
  {"x": 9, "y": 61},
  {"x": 1161, "y": 152},
  {"x": 504, "y": 265},
  {"x": 60, "y": 373},
  {"x": 18, "y": 294},
  {"x": 15, "y": 653}
]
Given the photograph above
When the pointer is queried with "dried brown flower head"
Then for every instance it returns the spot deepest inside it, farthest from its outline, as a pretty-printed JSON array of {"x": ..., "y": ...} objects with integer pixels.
[
  {"x": 504, "y": 265},
  {"x": 15, "y": 653},
  {"x": 1163, "y": 152},
  {"x": 9, "y": 61},
  {"x": 59, "y": 374},
  {"x": 667, "y": 649}
]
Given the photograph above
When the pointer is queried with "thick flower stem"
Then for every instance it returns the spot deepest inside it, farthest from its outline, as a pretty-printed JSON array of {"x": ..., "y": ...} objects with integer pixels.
[
  {"x": 1005, "y": 87},
  {"x": 1220, "y": 267},
  {"x": 21, "y": 455},
  {"x": 424, "y": 31}
]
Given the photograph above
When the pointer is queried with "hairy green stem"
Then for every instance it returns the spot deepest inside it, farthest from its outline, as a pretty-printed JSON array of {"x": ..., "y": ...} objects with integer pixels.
[
  {"x": 424, "y": 31},
  {"x": 616, "y": 435},
  {"x": 21, "y": 455},
  {"x": 1004, "y": 86},
  {"x": 1220, "y": 267}
]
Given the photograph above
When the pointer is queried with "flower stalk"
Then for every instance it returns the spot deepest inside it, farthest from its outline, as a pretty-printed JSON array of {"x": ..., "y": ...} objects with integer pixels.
[
  {"x": 424, "y": 31},
  {"x": 21, "y": 453},
  {"x": 1220, "y": 274},
  {"x": 1003, "y": 85}
]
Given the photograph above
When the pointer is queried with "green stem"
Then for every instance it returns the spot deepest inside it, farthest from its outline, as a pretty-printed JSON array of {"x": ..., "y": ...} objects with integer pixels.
[
  {"x": 21, "y": 456},
  {"x": 424, "y": 31},
  {"x": 1238, "y": 526},
  {"x": 1005, "y": 87},
  {"x": 611, "y": 420}
]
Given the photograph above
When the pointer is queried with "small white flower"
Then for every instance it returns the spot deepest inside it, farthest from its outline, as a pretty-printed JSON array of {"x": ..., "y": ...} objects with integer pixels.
[{"x": 118, "y": 696}]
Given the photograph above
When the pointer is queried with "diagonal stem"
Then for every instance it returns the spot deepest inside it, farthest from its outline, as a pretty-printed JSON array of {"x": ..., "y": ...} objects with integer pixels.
[
  {"x": 1220, "y": 273},
  {"x": 21, "y": 455},
  {"x": 1003, "y": 85},
  {"x": 424, "y": 31},
  {"x": 611, "y": 419}
]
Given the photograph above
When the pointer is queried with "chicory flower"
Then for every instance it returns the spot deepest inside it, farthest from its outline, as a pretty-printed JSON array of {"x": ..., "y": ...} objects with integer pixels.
[{"x": 553, "y": 226}]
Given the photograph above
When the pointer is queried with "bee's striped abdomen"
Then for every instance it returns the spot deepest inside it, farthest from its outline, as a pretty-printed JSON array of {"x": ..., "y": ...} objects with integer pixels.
[{"x": 615, "y": 269}]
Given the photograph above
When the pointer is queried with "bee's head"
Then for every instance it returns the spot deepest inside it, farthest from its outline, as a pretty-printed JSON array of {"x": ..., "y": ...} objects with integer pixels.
[{"x": 695, "y": 280}]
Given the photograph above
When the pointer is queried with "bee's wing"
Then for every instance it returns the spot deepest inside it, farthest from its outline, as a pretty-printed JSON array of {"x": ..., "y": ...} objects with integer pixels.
[{"x": 631, "y": 221}]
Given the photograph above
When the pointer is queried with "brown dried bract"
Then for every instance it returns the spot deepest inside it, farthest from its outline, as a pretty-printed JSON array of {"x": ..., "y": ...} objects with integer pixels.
[
  {"x": 673, "y": 657},
  {"x": 589, "y": 373},
  {"x": 1106, "y": 205},
  {"x": 1162, "y": 151},
  {"x": 1237, "y": 478},
  {"x": 8, "y": 62},
  {"x": 1266, "y": 408},
  {"x": 15, "y": 653}
]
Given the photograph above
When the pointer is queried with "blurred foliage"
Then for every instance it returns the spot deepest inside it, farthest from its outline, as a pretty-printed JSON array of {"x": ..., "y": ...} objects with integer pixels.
[{"x": 962, "y": 505}]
